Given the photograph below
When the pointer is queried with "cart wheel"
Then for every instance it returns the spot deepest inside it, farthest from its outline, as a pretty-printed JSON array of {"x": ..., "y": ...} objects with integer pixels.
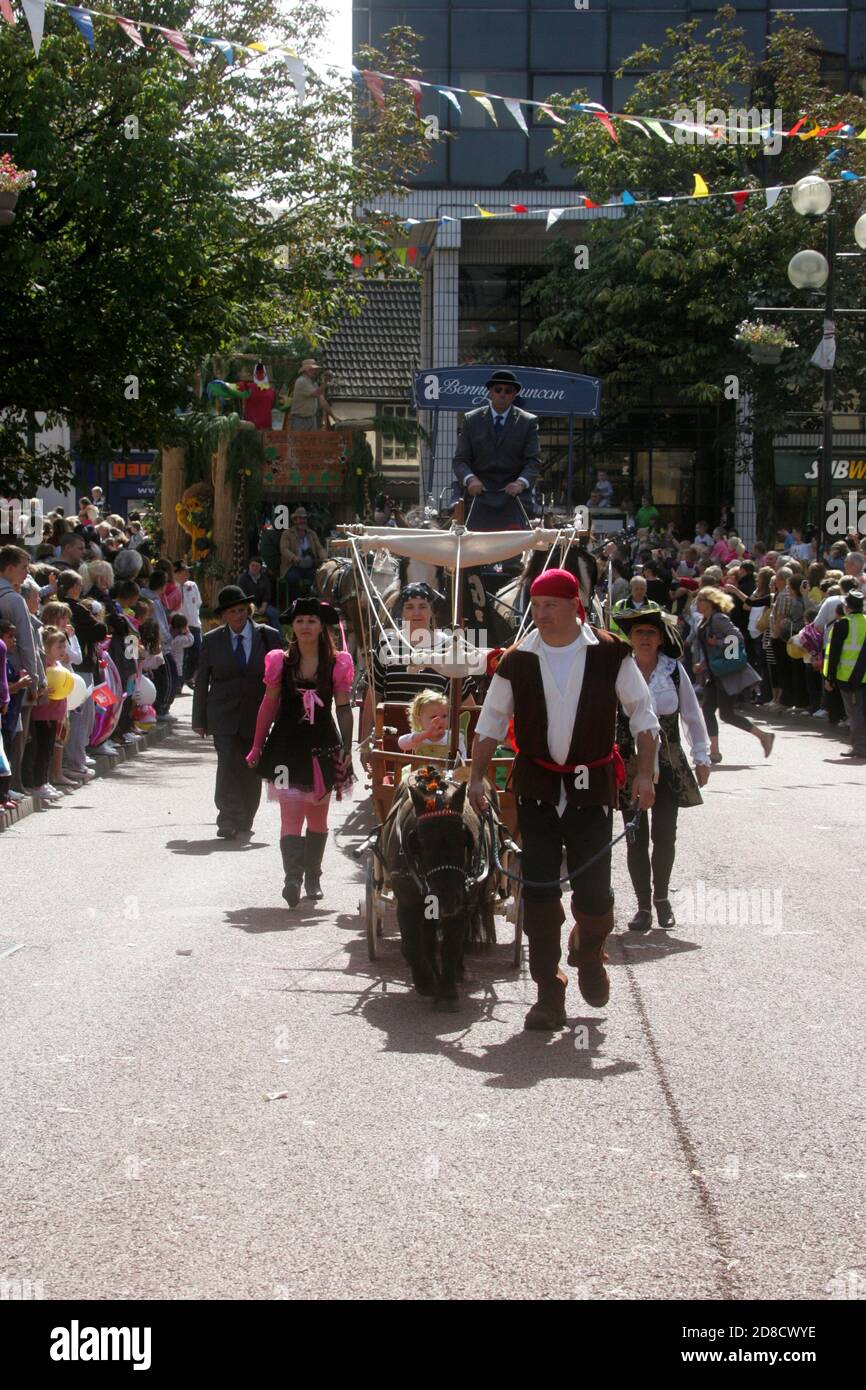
[
  {"x": 370, "y": 913},
  {"x": 518, "y": 931}
]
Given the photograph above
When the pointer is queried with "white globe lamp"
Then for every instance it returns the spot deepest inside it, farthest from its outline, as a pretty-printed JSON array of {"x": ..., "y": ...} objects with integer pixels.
[
  {"x": 811, "y": 196},
  {"x": 808, "y": 270}
]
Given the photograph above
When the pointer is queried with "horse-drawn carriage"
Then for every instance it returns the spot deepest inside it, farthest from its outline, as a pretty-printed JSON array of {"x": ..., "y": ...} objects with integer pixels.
[{"x": 428, "y": 835}]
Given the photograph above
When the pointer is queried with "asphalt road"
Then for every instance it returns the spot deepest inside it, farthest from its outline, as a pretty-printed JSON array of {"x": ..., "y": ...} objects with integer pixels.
[{"x": 699, "y": 1138}]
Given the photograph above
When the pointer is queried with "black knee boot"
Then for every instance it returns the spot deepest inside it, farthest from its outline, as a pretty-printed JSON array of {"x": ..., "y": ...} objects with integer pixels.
[
  {"x": 292, "y": 850},
  {"x": 314, "y": 849}
]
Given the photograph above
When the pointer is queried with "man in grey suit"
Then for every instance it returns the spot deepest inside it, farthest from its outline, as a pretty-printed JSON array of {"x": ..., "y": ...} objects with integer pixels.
[
  {"x": 229, "y": 687},
  {"x": 497, "y": 460}
]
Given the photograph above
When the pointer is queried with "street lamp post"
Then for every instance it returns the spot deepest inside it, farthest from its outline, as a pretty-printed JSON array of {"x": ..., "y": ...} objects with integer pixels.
[{"x": 811, "y": 197}]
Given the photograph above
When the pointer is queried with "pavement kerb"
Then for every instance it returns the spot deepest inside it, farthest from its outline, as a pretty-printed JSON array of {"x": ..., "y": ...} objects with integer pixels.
[{"x": 104, "y": 765}]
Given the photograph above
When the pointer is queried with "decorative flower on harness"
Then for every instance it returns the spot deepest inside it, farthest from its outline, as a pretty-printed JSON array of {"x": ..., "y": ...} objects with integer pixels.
[{"x": 310, "y": 700}]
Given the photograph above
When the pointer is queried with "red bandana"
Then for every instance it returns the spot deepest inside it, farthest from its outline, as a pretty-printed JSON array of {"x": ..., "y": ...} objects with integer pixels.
[{"x": 557, "y": 584}]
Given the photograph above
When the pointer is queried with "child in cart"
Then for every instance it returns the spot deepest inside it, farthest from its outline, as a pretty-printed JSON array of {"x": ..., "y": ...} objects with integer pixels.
[{"x": 430, "y": 736}]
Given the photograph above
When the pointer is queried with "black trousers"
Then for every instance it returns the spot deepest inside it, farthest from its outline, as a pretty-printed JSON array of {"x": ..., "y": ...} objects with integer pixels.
[
  {"x": 651, "y": 877},
  {"x": 36, "y": 763},
  {"x": 582, "y": 831},
  {"x": 717, "y": 698},
  {"x": 238, "y": 788}
]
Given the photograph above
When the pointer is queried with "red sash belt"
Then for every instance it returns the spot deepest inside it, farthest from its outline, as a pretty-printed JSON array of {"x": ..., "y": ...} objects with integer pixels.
[{"x": 614, "y": 756}]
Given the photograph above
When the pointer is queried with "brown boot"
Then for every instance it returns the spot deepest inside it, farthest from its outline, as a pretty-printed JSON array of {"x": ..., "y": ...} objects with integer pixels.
[
  {"x": 586, "y": 951},
  {"x": 542, "y": 922},
  {"x": 548, "y": 1012}
]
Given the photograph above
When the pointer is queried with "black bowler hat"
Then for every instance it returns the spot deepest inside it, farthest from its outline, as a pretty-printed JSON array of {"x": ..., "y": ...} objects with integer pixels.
[
  {"x": 313, "y": 608},
  {"x": 228, "y": 596},
  {"x": 502, "y": 378}
]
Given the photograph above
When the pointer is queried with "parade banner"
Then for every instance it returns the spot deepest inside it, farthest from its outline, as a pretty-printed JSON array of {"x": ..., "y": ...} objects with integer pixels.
[
  {"x": 543, "y": 392},
  {"x": 304, "y": 460}
]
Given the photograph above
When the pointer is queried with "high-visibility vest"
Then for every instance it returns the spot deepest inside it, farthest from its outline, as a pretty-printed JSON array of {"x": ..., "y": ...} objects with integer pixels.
[{"x": 852, "y": 661}]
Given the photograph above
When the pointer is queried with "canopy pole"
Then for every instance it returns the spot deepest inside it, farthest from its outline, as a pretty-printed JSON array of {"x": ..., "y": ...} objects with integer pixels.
[
  {"x": 570, "y": 472},
  {"x": 434, "y": 434}
]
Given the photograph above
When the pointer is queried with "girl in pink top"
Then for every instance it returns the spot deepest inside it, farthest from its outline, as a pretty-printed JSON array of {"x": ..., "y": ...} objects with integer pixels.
[{"x": 305, "y": 755}]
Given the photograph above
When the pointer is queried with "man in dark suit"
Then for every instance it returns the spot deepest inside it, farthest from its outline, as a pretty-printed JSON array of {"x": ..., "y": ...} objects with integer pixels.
[
  {"x": 497, "y": 460},
  {"x": 229, "y": 687}
]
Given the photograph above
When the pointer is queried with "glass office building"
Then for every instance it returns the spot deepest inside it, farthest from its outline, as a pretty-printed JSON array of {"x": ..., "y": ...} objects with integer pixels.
[{"x": 474, "y": 302}]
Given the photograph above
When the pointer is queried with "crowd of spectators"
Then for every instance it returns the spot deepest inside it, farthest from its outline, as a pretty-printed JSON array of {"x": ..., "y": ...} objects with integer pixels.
[
  {"x": 98, "y": 638},
  {"x": 785, "y": 595}
]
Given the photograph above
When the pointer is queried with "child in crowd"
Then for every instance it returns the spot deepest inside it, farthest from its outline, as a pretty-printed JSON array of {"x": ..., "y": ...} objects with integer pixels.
[
  {"x": 430, "y": 736},
  {"x": 47, "y": 717},
  {"x": 142, "y": 611},
  {"x": 150, "y": 646},
  {"x": 181, "y": 639},
  {"x": 59, "y": 615}
]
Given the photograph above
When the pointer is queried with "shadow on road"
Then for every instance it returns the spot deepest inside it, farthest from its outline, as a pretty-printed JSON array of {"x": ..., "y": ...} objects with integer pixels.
[
  {"x": 639, "y": 949},
  {"x": 256, "y": 920},
  {"x": 214, "y": 846}
]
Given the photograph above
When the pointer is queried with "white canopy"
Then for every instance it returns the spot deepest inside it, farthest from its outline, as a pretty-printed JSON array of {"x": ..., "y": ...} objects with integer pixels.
[{"x": 456, "y": 548}]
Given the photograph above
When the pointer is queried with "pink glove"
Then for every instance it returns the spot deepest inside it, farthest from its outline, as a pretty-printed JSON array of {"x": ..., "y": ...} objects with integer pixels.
[{"x": 267, "y": 710}]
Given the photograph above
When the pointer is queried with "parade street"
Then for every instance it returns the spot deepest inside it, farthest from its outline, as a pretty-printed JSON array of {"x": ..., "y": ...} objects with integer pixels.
[{"x": 208, "y": 1096}]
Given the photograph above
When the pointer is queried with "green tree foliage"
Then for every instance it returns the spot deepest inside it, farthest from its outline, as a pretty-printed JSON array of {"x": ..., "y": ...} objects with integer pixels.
[
  {"x": 229, "y": 216},
  {"x": 667, "y": 285}
]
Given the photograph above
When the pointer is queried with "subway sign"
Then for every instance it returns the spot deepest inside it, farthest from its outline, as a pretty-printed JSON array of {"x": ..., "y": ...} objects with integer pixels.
[{"x": 800, "y": 469}]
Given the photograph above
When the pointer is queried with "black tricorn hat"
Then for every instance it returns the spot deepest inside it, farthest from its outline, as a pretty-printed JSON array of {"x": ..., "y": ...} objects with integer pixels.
[
  {"x": 228, "y": 596},
  {"x": 653, "y": 616},
  {"x": 314, "y": 608},
  {"x": 502, "y": 378}
]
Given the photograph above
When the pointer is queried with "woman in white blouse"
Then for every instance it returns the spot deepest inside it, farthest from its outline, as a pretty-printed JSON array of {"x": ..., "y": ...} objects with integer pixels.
[{"x": 657, "y": 649}]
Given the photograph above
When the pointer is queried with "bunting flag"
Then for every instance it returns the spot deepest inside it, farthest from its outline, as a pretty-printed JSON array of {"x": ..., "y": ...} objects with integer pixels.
[
  {"x": 550, "y": 113},
  {"x": 223, "y": 45},
  {"x": 412, "y": 253},
  {"x": 658, "y": 129},
  {"x": 297, "y": 72},
  {"x": 740, "y": 198},
  {"x": 415, "y": 89},
  {"x": 588, "y": 203},
  {"x": 516, "y": 110},
  {"x": 849, "y": 176},
  {"x": 553, "y": 217},
  {"x": 7, "y": 11},
  {"x": 178, "y": 43},
  {"x": 772, "y": 194},
  {"x": 483, "y": 212},
  {"x": 34, "y": 13},
  {"x": 84, "y": 23},
  {"x": 627, "y": 199},
  {"x": 374, "y": 82},
  {"x": 795, "y": 127},
  {"x": 608, "y": 125},
  {"x": 700, "y": 189},
  {"x": 131, "y": 32},
  {"x": 486, "y": 105},
  {"x": 631, "y": 120},
  {"x": 824, "y": 355},
  {"x": 518, "y": 207},
  {"x": 447, "y": 93}
]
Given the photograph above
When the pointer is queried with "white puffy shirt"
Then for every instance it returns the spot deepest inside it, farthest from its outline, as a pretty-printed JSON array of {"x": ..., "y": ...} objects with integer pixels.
[{"x": 664, "y": 698}]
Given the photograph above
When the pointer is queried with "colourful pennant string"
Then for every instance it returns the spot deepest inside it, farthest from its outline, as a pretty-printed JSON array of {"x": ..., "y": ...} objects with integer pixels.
[
  {"x": 486, "y": 105},
  {"x": 34, "y": 13},
  {"x": 374, "y": 83},
  {"x": 740, "y": 198},
  {"x": 83, "y": 22},
  {"x": 7, "y": 12},
  {"x": 700, "y": 189},
  {"x": 178, "y": 43},
  {"x": 608, "y": 125},
  {"x": 131, "y": 31},
  {"x": 628, "y": 200},
  {"x": 516, "y": 110},
  {"x": 415, "y": 89},
  {"x": 224, "y": 47},
  {"x": 447, "y": 93}
]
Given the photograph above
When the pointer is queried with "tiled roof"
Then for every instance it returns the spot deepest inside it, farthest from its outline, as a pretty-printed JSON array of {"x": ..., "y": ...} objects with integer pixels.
[{"x": 373, "y": 355}]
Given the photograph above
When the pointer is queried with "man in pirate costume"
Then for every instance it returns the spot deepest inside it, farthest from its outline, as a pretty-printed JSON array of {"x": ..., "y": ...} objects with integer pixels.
[{"x": 561, "y": 686}]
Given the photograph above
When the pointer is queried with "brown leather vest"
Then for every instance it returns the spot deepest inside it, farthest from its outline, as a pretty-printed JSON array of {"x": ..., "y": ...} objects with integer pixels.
[{"x": 592, "y": 737}]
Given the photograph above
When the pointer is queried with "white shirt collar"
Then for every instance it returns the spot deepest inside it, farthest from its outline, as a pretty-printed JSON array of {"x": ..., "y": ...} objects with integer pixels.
[{"x": 500, "y": 414}]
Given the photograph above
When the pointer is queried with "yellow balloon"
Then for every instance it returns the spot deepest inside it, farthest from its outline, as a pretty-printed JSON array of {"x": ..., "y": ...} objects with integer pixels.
[{"x": 60, "y": 682}]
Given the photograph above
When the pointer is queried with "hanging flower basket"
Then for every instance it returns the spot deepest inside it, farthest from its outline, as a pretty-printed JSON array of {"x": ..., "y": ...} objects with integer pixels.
[
  {"x": 12, "y": 182},
  {"x": 765, "y": 341}
]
